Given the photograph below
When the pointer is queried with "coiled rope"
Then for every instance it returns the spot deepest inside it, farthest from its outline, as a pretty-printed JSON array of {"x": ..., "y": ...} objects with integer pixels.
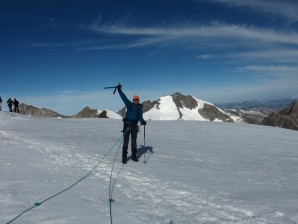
[{"x": 84, "y": 177}]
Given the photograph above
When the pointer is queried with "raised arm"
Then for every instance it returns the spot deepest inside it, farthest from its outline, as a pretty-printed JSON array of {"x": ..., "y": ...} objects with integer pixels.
[{"x": 126, "y": 101}]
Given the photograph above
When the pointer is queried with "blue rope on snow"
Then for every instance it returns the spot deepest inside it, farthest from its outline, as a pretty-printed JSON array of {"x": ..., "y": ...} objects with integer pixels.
[
  {"x": 111, "y": 188},
  {"x": 66, "y": 189}
]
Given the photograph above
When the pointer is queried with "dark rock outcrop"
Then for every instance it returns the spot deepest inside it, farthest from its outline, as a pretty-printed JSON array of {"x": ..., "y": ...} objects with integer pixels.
[
  {"x": 211, "y": 113},
  {"x": 186, "y": 101},
  {"x": 148, "y": 105},
  {"x": 37, "y": 111},
  {"x": 103, "y": 114},
  {"x": 86, "y": 113},
  {"x": 286, "y": 118}
]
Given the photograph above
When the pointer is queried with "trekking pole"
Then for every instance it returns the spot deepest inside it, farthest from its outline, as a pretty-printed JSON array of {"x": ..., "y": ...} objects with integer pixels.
[{"x": 144, "y": 144}]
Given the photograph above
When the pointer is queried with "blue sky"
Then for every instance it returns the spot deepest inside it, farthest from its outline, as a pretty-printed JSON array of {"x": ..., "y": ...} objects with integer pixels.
[{"x": 59, "y": 54}]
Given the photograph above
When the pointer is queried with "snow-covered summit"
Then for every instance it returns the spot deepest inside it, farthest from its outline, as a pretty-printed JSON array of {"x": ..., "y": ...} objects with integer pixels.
[{"x": 180, "y": 107}]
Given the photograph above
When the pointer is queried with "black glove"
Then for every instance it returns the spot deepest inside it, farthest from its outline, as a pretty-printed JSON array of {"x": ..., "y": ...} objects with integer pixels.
[
  {"x": 119, "y": 87},
  {"x": 144, "y": 123}
]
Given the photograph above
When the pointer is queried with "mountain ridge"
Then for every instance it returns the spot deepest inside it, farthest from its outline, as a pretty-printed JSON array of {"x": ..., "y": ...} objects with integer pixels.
[
  {"x": 181, "y": 107},
  {"x": 286, "y": 118},
  {"x": 86, "y": 112},
  {"x": 186, "y": 107}
]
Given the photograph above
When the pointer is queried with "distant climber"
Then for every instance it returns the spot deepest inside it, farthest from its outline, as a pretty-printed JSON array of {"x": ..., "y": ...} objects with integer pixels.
[
  {"x": 0, "y": 103},
  {"x": 9, "y": 104},
  {"x": 16, "y": 106},
  {"x": 134, "y": 114}
]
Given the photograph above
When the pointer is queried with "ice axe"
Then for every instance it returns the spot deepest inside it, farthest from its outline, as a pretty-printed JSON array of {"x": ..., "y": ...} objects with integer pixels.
[{"x": 113, "y": 87}]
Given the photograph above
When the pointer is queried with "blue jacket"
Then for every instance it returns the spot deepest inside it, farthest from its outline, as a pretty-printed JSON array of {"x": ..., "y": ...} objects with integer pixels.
[{"x": 134, "y": 112}]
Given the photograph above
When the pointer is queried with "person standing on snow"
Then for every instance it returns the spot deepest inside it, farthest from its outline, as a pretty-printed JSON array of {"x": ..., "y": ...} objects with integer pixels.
[
  {"x": 16, "y": 106},
  {"x": 134, "y": 114},
  {"x": 9, "y": 104},
  {"x": 0, "y": 103}
]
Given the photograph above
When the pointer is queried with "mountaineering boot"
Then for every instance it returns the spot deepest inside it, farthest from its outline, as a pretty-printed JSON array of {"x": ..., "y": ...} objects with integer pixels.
[
  {"x": 124, "y": 156},
  {"x": 124, "y": 159},
  {"x": 134, "y": 158},
  {"x": 134, "y": 155}
]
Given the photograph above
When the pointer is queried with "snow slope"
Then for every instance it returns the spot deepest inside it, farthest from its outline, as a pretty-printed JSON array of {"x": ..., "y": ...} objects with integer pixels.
[
  {"x": 180, "y": 107},
  {"x": 167, "y": 110},
  {"x": 110, "y": 114},
  {"x": 196, "y": 172}
]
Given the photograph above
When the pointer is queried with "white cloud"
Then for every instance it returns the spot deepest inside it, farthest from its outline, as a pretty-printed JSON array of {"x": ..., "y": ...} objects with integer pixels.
[
  {"x": 274, "y": 89},
  {"x": 286, "y": 9},
  {"x": 282, "y": 55},
  {"x": 198, "y": 34},
  {"x": 271, "y": 69}
]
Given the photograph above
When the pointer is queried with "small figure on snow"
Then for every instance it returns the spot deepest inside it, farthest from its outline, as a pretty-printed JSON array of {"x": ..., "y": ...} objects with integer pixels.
[
  {"x": 16, "y": 106},
  {"x": 0, "y": 103},
  {"x": 134, "y": 114},
  {"x": 9, "y": 104}
]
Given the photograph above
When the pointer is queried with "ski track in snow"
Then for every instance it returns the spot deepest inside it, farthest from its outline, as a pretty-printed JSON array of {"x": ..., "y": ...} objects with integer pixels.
[{"x": 156, "y": 200}]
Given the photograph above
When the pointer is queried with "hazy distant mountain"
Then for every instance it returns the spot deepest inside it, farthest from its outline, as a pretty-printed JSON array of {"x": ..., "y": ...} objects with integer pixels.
[
  {"x": 85, "y": 113},
  {"x": 180, "y": 107},
  {"x": 254, "y": 111},
  {"x": 265, "y": 105},
  {"x": 38, "y": 111},
  {"x": 286, "y": 118},
  {"x": 247, "y": 116}
]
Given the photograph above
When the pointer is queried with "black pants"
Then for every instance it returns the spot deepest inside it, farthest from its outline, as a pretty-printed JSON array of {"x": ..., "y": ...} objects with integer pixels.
[
  {"x": 130, "y": 130},
  {"x": 16, "y": 109}
]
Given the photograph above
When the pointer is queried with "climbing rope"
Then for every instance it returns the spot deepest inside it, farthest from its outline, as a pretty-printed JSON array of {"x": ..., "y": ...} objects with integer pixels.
[
  {"x": 66, "y": 189},
  {"x": 111, "y": 188}
]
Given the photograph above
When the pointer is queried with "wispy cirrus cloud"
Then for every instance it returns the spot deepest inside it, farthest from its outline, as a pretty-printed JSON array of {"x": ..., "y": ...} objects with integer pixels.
[
  {"x": 278, "y": 69},
  {"x": 236, "y": 34},
  {"x": 282, "y": 55},
  {"x": 287, "y": 9},
  {"x": 268, "y": 88}
]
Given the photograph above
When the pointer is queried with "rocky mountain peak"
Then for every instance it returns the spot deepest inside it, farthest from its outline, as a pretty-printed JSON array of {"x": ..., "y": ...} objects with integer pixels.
[
  {"x": 286, "y": 118},
  {"x": 91, "y": 113},
  {"x": 186, "y": 101},
  {"x": 86, "y": 113},
  {"x": 37, "y": 111},
  {"x": 181, "y": 107}
]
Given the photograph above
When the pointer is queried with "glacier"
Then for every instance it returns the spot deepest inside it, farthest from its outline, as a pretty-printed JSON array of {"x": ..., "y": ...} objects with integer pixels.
[{"x": 195, "y": 172}]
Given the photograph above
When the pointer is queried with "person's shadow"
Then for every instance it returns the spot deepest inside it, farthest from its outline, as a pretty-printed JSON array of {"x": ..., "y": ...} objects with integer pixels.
[{"x": 145, "y": 151}]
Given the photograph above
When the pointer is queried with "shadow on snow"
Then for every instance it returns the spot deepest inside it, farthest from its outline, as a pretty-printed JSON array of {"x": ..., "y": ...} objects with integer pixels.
[{"x": 145, "y": 151}]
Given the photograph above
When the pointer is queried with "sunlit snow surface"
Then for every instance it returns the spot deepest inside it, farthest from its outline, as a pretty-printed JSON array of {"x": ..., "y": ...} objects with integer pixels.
[
  {"x": 195, "y": 172},
  {"x": 166, "y": 109}
]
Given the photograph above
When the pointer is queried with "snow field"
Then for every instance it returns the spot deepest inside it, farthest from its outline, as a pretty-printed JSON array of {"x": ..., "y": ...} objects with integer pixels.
[{"x": 196, "y": 172}]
